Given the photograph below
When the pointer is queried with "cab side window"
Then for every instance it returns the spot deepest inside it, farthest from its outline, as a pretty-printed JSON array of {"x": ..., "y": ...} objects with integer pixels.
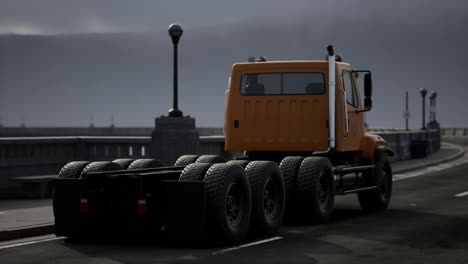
[{"x": 350, "y": 89}]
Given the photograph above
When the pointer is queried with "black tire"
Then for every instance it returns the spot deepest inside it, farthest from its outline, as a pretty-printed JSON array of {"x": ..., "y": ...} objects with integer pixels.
[
  {"x": 72, "y": 170},
  {"x": 210, "y": 159},
  {"x": 145, "y": 164},
  {"x": 194, "y": 172},
  {"x": 268, "y": 197},
  {"x": 289, "y": 167},
  {"x": 229, "y": 203},
  {"x": 242, "y": 163},
  {"x": 124, "y": 163},
  {"x": 99, "y": 166},
  {"x": 380, "y": 176},
  {"x": 186, "y": 160},
  {"x": 315, "y": 190}
]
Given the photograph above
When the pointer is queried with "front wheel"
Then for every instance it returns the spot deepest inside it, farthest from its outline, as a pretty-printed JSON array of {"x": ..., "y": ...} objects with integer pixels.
[{"x": 381, "y": 177}]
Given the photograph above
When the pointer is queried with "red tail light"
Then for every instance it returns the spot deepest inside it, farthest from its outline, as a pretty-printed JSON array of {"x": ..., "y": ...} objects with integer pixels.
[
  {"x": 84, "y": 204},
  {"x": 141, "y": 207}
]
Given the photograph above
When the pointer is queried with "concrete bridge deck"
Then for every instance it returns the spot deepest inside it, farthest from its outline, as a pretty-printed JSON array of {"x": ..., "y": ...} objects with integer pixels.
[{"x": 425, "y": 223}]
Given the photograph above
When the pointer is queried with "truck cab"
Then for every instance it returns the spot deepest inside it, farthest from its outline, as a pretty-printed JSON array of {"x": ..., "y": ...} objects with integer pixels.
[{"x": 285, "y": 107}]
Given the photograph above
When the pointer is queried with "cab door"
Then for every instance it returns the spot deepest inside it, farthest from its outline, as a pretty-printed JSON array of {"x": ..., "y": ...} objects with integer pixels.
[{"x": 354, "y": 125}]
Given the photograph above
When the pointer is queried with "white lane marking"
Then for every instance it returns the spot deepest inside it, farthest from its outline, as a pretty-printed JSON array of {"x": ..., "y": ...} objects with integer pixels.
[
  {"x": 426, "y": 170},
  {"x": 30, "y": 242},
  {"x": 246, "y": 245},
  {"x": 461, "y": 194}
]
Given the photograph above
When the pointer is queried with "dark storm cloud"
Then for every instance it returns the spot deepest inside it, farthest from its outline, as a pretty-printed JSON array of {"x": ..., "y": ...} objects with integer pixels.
[{"x": 61, "y": 80}]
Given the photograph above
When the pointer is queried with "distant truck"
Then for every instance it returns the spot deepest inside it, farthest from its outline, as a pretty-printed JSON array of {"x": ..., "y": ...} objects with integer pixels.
[{"x": 301, "y": 127}]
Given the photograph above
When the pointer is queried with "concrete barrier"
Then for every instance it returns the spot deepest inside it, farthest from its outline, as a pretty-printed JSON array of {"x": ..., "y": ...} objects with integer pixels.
[{"x": 400, "y": 140}]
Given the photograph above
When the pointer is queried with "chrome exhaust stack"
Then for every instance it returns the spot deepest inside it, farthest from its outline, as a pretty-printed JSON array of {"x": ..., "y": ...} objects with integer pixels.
[{"x": 331, "y": 96}]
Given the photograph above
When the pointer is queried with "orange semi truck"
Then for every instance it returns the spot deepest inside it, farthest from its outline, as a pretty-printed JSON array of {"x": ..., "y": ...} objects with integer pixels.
[{"x": 301, "y": 127}]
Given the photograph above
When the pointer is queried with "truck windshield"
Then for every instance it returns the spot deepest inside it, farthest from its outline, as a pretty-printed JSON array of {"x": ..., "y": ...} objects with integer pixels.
[{"x": 289, "y": 83}]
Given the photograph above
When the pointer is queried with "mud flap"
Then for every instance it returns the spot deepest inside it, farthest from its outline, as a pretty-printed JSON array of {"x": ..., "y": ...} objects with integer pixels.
[
  {"x": 185, "y": 211},
  {"x": 66, "y": 202}
]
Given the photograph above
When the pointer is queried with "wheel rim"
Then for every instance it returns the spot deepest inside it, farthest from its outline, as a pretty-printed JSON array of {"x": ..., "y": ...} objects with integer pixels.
[
  {"x": 234, "y": 205},
  {"x": 384, "y": 184},
  {"x": 324, "y": 191},
  {"x": 270, "y": 199}
]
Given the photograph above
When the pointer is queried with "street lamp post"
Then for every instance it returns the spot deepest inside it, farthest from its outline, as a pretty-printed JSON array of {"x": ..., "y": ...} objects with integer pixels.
[
  {"x": 175, "y": 31},
  {"x": 432, "y": 98},
  {"x": 423, "y": 94},
  {"x": 174, "y": 135}
]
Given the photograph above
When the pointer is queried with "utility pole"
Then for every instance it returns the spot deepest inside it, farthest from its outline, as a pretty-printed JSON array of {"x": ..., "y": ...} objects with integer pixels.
[
  {"x": 112, "y": 120},
  {"x": 423, "y": 94},
  {"x": 432, "y": 98},
  {"x": 406, "y": 113}
]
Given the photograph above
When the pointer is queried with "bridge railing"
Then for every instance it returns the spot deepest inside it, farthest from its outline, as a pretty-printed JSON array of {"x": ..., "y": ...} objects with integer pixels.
[
  {"x": 29, "y": 156},
  {"x": 53, "y": 150},
  {"x": 454, "y": 132}
]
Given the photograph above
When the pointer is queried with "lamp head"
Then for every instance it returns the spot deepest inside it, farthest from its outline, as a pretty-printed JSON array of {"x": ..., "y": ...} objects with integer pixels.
[
  {"x": 423, "y": 92},
  {"x": 175, "y": 31}
]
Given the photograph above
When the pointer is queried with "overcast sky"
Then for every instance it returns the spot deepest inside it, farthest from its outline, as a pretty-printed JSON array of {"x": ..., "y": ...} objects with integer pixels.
[
  {"x": 72, "y": 16},
  {"x": 407, "y": 44}
]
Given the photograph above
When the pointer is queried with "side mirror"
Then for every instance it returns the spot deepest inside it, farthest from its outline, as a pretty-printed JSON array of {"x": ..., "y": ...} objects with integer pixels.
[
  {"x": 367, "y": 85},
  {"x": 367, "y": 90},
  {"x": 367, "y": 103}
]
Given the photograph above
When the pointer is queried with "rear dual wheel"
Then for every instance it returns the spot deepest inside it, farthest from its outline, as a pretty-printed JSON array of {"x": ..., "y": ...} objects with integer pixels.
[
  {"x": 289, "y": 167},
  {"x": 186, "y": 160},
  {"x": 189, "y": 159},
  {"x": 316, "y": 189},
  {"x": 124, "y": 163},
  {"x": 242, "y": 163},
  {"x": 73, "y": 169},
  {"x": 268, "y": 196},
  {"x": 229, "y": 202},
  {"x": 228, "y": 199},
  {"x": 194, "y": 172},
  {"x": 100, "y": 166},
  {"x": 145, "y": 164},
  {"x": 238, "y": 198}
]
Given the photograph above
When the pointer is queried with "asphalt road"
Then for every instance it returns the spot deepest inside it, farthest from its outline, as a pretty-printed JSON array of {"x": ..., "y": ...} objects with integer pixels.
[{"x": 425, "y": 223}]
